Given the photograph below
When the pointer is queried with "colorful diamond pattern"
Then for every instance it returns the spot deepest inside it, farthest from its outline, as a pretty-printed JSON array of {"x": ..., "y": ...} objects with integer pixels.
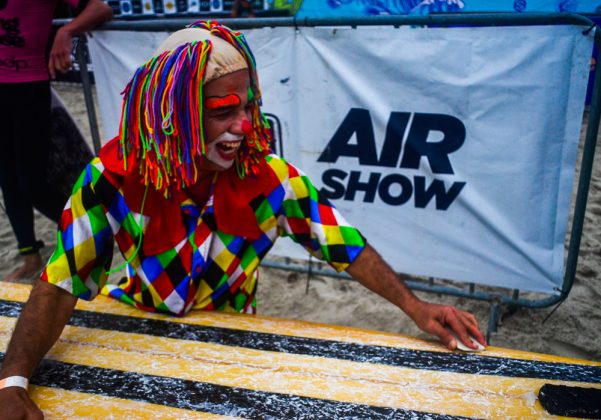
[{"x": 208, "y": 268}]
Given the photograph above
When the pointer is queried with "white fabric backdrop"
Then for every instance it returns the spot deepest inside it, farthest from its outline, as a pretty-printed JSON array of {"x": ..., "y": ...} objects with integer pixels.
[{"x": 518, "y": 93}]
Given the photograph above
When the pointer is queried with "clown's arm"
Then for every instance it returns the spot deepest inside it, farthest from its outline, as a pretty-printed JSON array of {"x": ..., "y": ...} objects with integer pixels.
[
  {"x": 49, "y": 307},
  {"x": 374, "y": 273},
  {"x": 310, "y": 219},
  {"x": 39, "y": 326}
]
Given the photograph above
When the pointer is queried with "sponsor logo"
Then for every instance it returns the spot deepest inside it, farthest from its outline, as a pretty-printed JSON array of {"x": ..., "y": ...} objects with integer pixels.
[
  {"x": 275, "y": 127},
  {"x": 406, "y": 146}
]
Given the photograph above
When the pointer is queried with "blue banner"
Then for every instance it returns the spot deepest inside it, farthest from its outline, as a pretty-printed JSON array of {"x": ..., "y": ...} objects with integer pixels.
[{"x": 357, "y": 8}]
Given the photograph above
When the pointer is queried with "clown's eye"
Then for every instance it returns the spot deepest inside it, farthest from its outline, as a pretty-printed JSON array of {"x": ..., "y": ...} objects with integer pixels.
[{"x": 221, "y": 113}]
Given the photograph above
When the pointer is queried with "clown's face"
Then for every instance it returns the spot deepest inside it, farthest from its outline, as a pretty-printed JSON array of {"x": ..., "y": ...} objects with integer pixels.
[{"x": 226, "y": 119}]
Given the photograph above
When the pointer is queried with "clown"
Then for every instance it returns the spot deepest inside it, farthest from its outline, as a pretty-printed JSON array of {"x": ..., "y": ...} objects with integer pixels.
[
  {"x": 164, "y": 119},
  {"x": 193, "y": 198}
]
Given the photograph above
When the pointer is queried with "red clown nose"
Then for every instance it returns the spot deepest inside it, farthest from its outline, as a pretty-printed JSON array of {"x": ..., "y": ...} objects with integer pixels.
[{"x": 247, "y": 127}]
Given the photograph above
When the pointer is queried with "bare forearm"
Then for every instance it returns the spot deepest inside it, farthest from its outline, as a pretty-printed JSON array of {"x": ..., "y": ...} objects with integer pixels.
[
  {"x": 373, "y": 272},
  {"x": 39, "y": 326},
  {"x": 95, "y": 13}
]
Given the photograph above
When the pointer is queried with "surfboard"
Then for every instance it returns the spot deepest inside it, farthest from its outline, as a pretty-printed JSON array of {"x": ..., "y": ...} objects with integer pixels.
[
  {"x": 115, "y": 361},
  {"x": 68, "y": 151}
]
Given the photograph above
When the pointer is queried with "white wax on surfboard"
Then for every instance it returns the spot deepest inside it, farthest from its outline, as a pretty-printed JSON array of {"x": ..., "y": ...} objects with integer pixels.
[{"x": 463, "y": 347}]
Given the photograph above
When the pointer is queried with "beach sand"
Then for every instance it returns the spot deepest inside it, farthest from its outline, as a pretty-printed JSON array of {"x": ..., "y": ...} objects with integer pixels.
[{"x": 572, "y": 330}]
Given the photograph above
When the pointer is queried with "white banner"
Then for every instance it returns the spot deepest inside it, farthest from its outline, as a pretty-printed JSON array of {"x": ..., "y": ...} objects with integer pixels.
[{"x": 451, "y": 149}]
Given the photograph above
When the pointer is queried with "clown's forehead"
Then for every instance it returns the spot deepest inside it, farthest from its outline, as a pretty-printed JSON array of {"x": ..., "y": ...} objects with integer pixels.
[
  {"x": 223, "y": 59},
  {"x": 227, "y": 90}
]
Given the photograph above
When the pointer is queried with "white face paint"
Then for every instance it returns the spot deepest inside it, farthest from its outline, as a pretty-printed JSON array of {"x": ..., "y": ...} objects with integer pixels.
[{"x": 223, "y": 150}]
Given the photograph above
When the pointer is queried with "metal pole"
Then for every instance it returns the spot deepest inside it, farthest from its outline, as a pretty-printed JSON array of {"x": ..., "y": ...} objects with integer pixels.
[
  {"x": 584, "y": 179},
  {"x": 493, "y": 318},
  {"x": 421, "y": 286},
  {"x": 475, "y": 19},
  {"x": 87, "y": 91}
]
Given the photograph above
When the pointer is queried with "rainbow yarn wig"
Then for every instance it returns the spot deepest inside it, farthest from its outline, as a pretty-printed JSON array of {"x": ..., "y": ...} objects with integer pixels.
[{"x": 161, "y": 120}]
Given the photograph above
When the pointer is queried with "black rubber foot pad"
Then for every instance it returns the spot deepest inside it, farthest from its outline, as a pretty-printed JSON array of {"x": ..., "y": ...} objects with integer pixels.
[{"x": 571, "y": 401}]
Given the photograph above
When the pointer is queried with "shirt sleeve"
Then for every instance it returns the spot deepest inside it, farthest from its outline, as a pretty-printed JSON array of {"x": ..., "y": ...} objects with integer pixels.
[
  {"x": 311, "y": 220},
  {"x": 84, "y": 245}
]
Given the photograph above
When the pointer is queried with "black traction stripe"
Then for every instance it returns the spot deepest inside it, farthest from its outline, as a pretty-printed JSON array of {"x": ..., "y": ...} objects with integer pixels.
[
  {"x": 392, "y": 356},
  {"x": 207, "y": 397}
]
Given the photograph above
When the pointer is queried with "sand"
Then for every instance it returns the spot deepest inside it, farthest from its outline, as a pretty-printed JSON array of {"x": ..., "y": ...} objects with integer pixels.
[{"x": 572, "y": 330}]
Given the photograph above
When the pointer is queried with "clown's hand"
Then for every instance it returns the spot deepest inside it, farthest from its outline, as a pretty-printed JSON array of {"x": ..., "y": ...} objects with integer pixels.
[
  {"x": 447, "y": 323},
  {"x": 374, "y": 273},
  {"x": 16, "y": 404}
]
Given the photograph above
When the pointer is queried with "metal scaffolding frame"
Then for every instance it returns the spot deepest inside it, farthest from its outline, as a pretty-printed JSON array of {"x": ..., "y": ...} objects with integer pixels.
[{"x": 496, "y": 299}]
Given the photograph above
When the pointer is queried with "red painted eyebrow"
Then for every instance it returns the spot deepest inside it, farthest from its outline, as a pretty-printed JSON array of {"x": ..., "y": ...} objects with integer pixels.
[{"x": 222, "y": 102}]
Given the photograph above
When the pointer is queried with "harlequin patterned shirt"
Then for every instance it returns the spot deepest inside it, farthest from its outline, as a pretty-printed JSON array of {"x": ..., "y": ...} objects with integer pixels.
[{"x": 182, "y": 256}]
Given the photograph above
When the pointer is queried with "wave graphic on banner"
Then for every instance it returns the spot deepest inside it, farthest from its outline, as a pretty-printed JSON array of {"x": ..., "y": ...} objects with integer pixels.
[{"x": 357, "y": 8}]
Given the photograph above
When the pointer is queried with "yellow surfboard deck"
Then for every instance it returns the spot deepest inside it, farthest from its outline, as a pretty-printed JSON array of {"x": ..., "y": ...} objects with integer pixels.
[{"x": 115, "y": 361}]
